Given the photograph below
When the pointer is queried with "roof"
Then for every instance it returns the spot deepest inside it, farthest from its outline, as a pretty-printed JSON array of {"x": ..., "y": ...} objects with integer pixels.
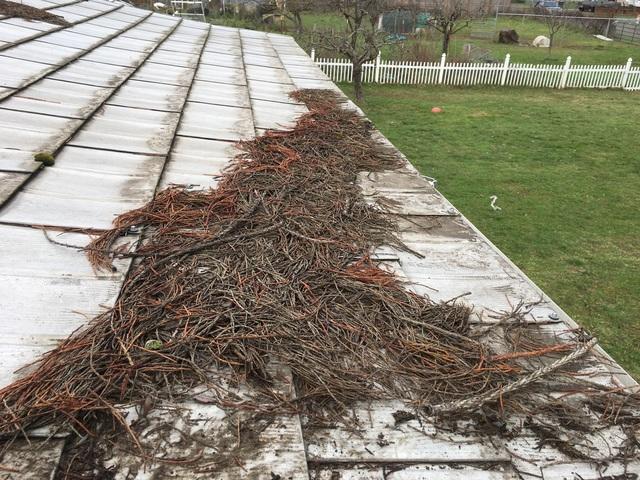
[{"x": 131, "y": 101}]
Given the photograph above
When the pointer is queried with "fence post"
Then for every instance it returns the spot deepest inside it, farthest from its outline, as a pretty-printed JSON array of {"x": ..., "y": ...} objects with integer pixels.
[
  {"x": 313, "y": 54},
  {"x": 565, "y": 72},
  {"x": 376, "y": 76},
  {"x": 625, "y": 75},
  {"x": 441, "y": 72},
  {"x": 505, "y": 68}
]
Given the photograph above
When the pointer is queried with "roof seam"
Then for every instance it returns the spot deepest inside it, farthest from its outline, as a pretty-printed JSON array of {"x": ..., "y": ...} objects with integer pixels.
[{"x": 181, "y": 114}]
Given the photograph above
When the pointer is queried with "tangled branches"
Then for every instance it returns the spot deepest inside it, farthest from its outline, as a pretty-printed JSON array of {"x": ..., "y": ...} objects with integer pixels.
[{"x": 274, "y": 263}]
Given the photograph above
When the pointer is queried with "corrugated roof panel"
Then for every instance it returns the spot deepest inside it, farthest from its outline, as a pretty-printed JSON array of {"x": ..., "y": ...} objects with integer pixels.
[
  {"x": 150, "y": 25},
  {"x": 16, "y": 160},
  {"x": 188, "y": 39},
  {"x": 292, "y": 60},
  {"x": 108, "y": 22},
  {"x": 209, "y": 73},
  {"x": 54, "y": 97},
  {"x": 163, "y": 20},
  {"x": 40, "y": 3},
  {"x": 220, "y": 94},
  {"x": 221, "y": 59},
  {"x": 136, "y": 186},
  {"x": 115, "y": 56},
  {"x": 108, "y": 162},
  {"x": 223, "y": 48},
  {"x": 82, "y": 199},
  {"x": 128, "y": 130},
  {"x": 133, "y": 44},
  {"x": 411, "y": 442},
  {"x": 230, "y": 39},
  {"x": 275, "y": 114},
  {"x": 99, "y": 6},
  {"x": 317, "y": 84},
  {"x": 93, "y": 73},
  {"x": 259, "y": 50},
  {"x": 36, "y": 51},
  {"x": 253, "y": 34},
  {"x": 73, "y": 13},
  {"x": 4, "y": 91},
  {"x": 168, "y": 74},
  {"x": 196, "y": 161},
  {"x": 140, "y": 33},
  {"x": 177, "y": 59},
  {"x": 31, "y": 132},
  {"x": 92, "y": 30},
  {"x": 66, "y": 38},
  {"x": 276, "y": 92},
  {"x": 9, "y": 181},
  {"x": 44, "y": 209},
  {"x": 133, "y": 11},
  {"x": 216, "y": 122},
  {"x": 305, "y": 71},
  {"x": 267, "y": 74},
  {"x": 13, "y": 33},
  {"x": 157, "y": 96},
  {"x": 177, "y": 46},
  {"x": 34, "y": 459},
  {"x": 262, "y": 61},
  {"x": 192, "y": 27}
]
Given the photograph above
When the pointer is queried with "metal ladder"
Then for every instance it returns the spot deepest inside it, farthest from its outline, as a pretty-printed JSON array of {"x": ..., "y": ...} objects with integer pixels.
[{"x": 188, "y": 8}]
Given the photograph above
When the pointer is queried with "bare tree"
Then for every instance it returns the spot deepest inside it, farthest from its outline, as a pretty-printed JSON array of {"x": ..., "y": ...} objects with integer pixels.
[
  {"x": 450, "y": 16},
  {"x": 360, "y": 42},
  {"x": 292, "y": 10},
  {"x": 555, "y": 20}
]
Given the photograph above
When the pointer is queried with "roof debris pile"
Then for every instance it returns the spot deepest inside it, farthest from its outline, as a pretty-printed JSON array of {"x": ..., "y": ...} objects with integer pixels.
[
  {"x": 276, "y": 263},
  {"x": 16, "y": 9}
]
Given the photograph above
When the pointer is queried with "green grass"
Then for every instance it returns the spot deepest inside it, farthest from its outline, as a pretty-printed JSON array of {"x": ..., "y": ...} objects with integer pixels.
[{"x": 566, "y": 170}]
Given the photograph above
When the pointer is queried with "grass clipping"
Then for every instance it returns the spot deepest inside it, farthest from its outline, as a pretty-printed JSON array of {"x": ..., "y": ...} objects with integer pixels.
[{"x": 274, "y": 263}]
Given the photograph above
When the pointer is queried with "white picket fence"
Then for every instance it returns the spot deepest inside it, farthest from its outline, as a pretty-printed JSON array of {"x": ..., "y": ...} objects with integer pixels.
[{"x": 507, "y": 73}]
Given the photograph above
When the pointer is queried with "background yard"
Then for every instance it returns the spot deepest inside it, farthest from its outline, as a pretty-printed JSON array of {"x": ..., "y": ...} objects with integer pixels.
[
  {"x": 583, "y": 47},
  {"x": 565, "y": 166}
]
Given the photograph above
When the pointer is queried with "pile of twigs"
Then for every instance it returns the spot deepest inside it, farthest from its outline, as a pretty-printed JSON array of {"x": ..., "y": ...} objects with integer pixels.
[{"x": 275, "y": 263}]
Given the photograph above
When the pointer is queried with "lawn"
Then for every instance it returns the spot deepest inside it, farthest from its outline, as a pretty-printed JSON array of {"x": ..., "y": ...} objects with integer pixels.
[{"x": 566, "y": 170}]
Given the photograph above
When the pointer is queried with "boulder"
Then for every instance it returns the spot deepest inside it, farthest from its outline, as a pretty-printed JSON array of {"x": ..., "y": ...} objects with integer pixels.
[{"x": 541, "y": 41}]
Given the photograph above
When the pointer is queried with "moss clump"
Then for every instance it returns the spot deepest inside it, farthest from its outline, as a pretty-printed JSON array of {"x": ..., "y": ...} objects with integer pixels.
[
  {"x": 153, "y": 345},
  {"x": 46, "y": 158}
]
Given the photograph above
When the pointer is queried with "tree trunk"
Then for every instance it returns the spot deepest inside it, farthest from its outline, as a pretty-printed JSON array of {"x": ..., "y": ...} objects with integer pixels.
[
  {"x": 446, "y": 36},
  {"x": 357, "y": 82},
  {"x": 298, "y": 22}
]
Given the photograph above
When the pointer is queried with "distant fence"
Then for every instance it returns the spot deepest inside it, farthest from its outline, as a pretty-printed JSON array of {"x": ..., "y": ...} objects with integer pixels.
[
  {"x": 467, "y": 74},
  {"x": 626, "y": 30}
]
